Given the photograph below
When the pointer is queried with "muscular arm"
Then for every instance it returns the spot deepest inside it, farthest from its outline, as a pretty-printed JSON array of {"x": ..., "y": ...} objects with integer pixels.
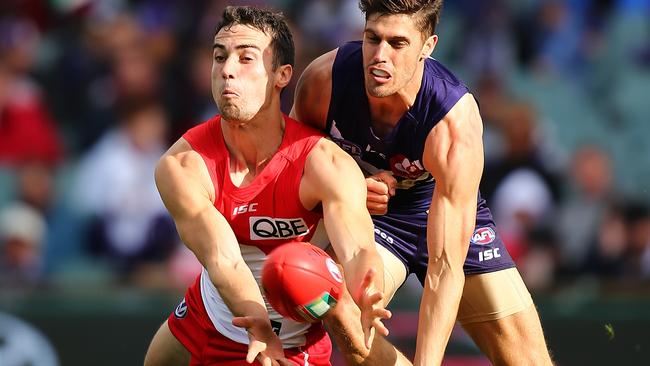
[
  {"x": 187, "y": 191},
  {"x": 332, "y": 177},
  {"x": 454, "y": 156}
]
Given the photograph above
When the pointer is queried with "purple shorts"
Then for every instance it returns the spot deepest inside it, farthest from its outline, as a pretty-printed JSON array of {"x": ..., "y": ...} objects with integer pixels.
[{"x": 405, "y": 235}]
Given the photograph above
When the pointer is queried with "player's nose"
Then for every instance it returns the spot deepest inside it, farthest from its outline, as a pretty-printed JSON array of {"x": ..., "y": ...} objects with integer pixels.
[
  {"x": 228, "y": 68},
  {"x": 380, "y": 52}
]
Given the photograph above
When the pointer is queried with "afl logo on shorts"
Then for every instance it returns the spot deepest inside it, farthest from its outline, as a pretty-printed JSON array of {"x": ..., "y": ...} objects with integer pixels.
[
  {"x": 483, "y": 236},
  {"x": 334, "y": 270},
  {"x": 181, "y": 310}
]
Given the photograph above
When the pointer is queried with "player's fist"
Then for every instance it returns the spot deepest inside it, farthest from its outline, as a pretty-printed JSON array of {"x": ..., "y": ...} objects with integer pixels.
[{"x": 381, "y": 187}]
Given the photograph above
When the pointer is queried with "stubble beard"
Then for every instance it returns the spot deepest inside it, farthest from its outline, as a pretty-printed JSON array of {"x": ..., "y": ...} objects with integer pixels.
[
  {"x": 232, "y": 112},
  {"x": 380, "y": 91}
]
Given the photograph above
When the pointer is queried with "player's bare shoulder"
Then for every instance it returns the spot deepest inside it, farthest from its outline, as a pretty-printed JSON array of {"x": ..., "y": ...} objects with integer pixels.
[
  {"x": 181, "y": 172},
  {"x": 327, "y": 156},
  {"x": 313, "y": 91},
  {"x": 453, "y": 151},
  {"x": 464, "y": 118},
  {"x": 330, "y": 171}
]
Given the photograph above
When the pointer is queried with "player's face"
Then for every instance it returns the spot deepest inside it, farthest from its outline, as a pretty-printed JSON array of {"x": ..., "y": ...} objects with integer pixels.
[
  {"x": 392, "y": 50},
  {"x": 242, "y": 75}
]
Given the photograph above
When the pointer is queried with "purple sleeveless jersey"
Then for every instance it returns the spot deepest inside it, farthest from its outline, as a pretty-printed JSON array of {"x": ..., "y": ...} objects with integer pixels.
[{"x": 403, "y": 229}]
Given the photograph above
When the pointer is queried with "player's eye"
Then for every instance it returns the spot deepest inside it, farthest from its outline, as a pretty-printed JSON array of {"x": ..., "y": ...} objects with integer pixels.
[
  {"x": 219, "y": 58},
  {"x": 372, "y": 39}
]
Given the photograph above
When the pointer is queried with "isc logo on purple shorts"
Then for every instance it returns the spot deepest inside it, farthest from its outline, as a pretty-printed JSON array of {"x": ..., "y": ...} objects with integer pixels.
[{"x": 483, "y": 236}]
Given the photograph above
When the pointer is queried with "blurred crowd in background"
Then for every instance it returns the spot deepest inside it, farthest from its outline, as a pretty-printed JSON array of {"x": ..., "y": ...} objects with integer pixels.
[{"x": 92, "y": 93}]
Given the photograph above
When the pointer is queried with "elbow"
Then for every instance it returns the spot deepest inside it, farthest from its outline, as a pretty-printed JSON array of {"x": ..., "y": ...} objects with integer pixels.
[{"x": 222, "y": 271}]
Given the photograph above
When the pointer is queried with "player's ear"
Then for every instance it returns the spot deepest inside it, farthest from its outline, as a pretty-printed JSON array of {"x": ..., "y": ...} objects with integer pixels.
[
  {"x": 428, "y": 47},
  {"x": 283, "y": 75}
]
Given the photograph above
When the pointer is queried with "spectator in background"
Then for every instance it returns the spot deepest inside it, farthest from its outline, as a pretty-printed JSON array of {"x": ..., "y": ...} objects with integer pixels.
[
  {"x": 22, "y": 230},
  {"x": 539, "y": 266},
  {"x": 330, "y": 21},
  {"x": 36, "y": 185},
  {"x": 586, "y": 213},
  {"x": 522, "y": 149},
  {"x": 198, "y": 105},
  {"x": 637, "y": 261},
  {"x": 493, "y": 100},
  {"x": 489, "y": 46},
  {"x": 608, "y": 247},
  {"x": 522, "y": 204},
  {"x": 549, "y": 39},
  {"x": 27, "y": 131},
  {"x": 132, "y": 71},
  {"x": 115, "y": 185}
]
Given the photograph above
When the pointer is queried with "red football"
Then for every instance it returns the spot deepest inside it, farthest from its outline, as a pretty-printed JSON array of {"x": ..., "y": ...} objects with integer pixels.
[{"x": 301, "y": 281}]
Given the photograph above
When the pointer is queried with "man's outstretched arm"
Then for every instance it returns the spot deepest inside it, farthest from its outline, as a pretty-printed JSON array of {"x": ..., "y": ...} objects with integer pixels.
[
  {"x": 333, "y": 178},
  {"x": 454, "y": 156},
  {"x": 188, "y": 193}
]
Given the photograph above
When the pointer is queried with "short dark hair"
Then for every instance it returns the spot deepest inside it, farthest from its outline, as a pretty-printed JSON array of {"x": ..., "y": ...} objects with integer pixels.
[
  {"x": 427, "y": 12},
  {"x": 272, "y": 24}
]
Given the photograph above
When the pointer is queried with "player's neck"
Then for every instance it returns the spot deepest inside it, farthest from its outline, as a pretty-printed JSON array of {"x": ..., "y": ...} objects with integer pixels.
[
  {"x": 386, "y": 112},
  {"x": 252, "y": 144}
]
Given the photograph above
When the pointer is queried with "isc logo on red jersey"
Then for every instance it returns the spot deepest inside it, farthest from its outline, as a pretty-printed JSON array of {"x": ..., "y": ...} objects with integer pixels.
[
  {"x": 269, "y": 228},
  {"x": 252, "y": 207}
]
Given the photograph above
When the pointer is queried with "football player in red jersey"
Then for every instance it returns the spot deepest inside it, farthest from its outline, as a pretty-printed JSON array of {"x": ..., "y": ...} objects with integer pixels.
[{"x": 245, "y": 182}]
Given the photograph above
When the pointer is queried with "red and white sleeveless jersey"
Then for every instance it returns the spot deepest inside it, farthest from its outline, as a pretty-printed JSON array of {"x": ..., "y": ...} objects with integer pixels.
[{"x": 264, "y": 214}]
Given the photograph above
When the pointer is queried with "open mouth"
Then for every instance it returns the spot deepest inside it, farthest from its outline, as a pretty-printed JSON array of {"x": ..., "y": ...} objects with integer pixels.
[{"x": 379, "y": 75}]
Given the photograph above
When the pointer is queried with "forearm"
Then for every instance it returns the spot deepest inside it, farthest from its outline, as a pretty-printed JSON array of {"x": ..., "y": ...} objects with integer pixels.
[
  {"x": 358, "y": 267},
  {"x": 448, "y": 232},
  {"x": 454, "y": 156},
  {"x": 355, "y": 247},
  {"x": 443, "y": 288},
  {"x": 238, "y": 288},
  {"x": 216, "y": 247},
  {"x": 187, "y": 191}
]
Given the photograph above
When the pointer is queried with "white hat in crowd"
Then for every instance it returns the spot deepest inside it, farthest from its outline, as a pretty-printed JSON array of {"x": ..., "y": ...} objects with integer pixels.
[{"x": 21, "y": 221}]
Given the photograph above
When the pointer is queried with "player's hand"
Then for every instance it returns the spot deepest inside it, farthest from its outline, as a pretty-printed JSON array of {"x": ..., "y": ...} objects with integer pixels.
[
  {"x": 381, "y": 187},
  {"x": 372, "y": 308},
  {"x": 264, "y": 345}
]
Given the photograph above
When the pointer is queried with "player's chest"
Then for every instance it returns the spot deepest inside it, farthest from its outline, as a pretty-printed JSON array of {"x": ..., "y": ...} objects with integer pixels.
[
  {"x": 274, "y": 214},
  {"x": 399, "y": 152}
]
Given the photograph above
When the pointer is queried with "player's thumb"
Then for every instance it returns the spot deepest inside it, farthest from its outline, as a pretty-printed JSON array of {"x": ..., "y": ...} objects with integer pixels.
[
  {"x": 256, "y": 348},
  {"x": 390, "y": 181},
  {"x": 242, "y": 321}
]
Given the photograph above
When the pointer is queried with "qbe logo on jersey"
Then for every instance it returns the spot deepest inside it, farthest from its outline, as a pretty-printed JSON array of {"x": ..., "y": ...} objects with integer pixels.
[{"x": 269, "y": 228}]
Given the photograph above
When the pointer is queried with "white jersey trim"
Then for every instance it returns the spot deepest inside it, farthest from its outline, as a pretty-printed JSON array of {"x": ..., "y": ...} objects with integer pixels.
[{"x": 292, "y": 334}]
